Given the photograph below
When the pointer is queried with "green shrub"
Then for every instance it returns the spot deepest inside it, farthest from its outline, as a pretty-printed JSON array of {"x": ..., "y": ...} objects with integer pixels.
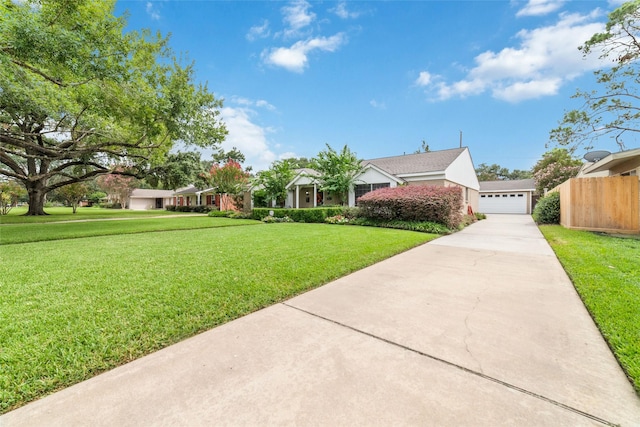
[
  {"x": 170, "y": 208},
  {"x": 480, "y": 216},
  {"x": 219, "y": 214},
  {"x": 547, "y": 210},
  {"x": 310, "y": 215},
  {"x": 420, "y": 226}
]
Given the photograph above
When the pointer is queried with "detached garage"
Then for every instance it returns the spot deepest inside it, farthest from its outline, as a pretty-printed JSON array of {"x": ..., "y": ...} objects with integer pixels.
[{"x": 507, "y": 197}]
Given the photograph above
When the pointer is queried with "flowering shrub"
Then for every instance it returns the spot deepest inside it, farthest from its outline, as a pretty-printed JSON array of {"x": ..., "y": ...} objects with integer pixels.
[
  {"x": 338, "y": 219},
  {"x": 442, "y": 205},
  {"x": 274, "y": 219}
]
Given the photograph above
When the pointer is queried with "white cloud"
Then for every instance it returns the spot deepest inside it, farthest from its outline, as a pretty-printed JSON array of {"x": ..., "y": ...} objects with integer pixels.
[
  {"x": 378, "y": 105},
  {"x": 424, "y": 79},
  {"x": 528, "y": 90},
  {"x": 297, "y": 16},
  {"x": 264, "y": 104},
  {"x": 537, "y": 67},
  {"x": 295, "y": 58},
  {"x": 342, "y": 12},
  {"x": 152, "y": 11},
  {"x": 248, "y": 137},
  {"x": 259, "y": 31},
  {"x": 540, "y": 7}
]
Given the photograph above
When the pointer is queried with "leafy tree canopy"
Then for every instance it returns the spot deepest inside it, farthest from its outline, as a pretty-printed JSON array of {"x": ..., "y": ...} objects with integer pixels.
[
  {"x": 73, "y": 194},
  {"x": 338, "y": 170},
  {"x": 554, "y": 168},
  {"x": 78, "y": 96},
  {"x": 10, "y": 192},
  {"x": 613, "y": 110},
  {"x": 496, "y": 172},
  {"x": 275, "y": 179},
  {"x": 179, "y": 170}
]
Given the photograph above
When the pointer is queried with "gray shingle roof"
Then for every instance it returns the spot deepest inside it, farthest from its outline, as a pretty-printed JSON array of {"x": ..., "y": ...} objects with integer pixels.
[
  {"x": 514, "y": 185},
  {"x": 432, "y": 161}
]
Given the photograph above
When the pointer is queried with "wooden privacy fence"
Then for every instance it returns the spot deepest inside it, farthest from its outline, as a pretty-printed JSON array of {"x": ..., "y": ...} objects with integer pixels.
[{"x": 610, "y": 204}]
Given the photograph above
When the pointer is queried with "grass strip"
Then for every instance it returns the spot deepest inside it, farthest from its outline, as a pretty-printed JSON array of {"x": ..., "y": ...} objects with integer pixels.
[
  {"x": 24, "y": 233},
  {"x": 16, "y": 215},
  {"x": 605, "y": 272},
  {"x": 70, "y": 309}
]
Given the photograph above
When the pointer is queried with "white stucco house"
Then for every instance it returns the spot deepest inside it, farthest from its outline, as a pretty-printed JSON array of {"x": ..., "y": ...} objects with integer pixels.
[
  {"x": 453, "y": 167},
  {"x": 144, "y": 199}
]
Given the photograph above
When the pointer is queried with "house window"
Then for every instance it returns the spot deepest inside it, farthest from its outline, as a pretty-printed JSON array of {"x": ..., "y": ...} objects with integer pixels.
[{"x": 363, "y": 189}]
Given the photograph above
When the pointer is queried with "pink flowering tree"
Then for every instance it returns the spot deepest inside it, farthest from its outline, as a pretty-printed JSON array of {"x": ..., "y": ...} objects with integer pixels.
[
  {"x": 555, "y": 167},
  {"x": 118, "y": 187},
  {"x": 228, "y": 179}
]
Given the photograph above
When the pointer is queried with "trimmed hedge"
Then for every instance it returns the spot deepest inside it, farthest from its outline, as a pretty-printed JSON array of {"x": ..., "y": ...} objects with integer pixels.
[
  {"x": 547, "y": 210},
  {"x": 314, "y": 215},
  {"x": 442, "y": 205},
  {"x": 197, "y": 209}
]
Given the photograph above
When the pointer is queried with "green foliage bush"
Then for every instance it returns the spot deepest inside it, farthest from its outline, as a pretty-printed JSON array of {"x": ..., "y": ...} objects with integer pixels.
[
  {"x": 196, "y": 209},
  {"x": 547, "y": 210},
  {"x": 220, "y": 214},
  {"x": 310, "y": 215},
  {"x": 420, "y": 226},
  {"x": 414, "y": 203}
]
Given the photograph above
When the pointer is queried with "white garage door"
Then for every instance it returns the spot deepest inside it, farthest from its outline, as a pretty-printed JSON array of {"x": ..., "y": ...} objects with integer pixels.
[{"x": 506, "y": 203}]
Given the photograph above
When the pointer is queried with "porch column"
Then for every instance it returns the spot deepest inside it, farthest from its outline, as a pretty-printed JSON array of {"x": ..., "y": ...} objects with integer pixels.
[
  {"x": 296, "y": 203},
  {"x": 197, "y": 199},
  {"x": 315, "y": 195}
]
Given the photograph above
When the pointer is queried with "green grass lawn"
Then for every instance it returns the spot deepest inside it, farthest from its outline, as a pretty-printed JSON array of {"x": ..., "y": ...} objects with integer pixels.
[
  {"x": 70, "y": 309},
  {"x": 606, "y": 273},
  {"x": 23, "y": 233},
  {"x": 16, "y": 215}
]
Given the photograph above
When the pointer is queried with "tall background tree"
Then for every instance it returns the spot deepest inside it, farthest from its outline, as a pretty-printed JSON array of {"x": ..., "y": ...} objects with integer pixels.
[
  {"x": 555, "y": 167},
  {"x": 338, "y": 171},
  {"x": 179, "y": 170},
  {"x": 78, "y": 96},
  {"x": 496, "y": 172},
  {"x": 614, "y": 109}
]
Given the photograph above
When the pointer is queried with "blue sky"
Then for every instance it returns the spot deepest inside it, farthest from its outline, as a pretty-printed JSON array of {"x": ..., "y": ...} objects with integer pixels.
[{"x": 382, "y": 76}]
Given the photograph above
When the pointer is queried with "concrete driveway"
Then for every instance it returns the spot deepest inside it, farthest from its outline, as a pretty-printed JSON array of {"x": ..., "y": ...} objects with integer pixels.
[{"x": 480, "y": 328}]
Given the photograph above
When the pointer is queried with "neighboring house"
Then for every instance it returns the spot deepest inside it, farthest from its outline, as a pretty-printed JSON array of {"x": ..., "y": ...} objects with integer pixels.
[
  {"x": 193, "y": 196},
  {"x": 507, "y": 197},
  {"x": 623, "y": 163},
  {"x": 446, "y": 168},
  {"x": 605, "y": 196},
  {"x": 143, "y": 199}
]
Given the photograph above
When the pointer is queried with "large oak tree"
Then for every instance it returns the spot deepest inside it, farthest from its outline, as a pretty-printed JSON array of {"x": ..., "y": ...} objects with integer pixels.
[{"x": 79, "y": 97}]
